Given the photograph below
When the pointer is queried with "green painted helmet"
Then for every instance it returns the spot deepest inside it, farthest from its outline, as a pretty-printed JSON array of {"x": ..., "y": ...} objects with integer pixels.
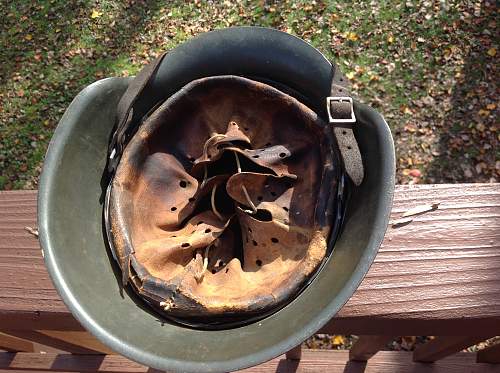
[{"x": 219, "y": 208}]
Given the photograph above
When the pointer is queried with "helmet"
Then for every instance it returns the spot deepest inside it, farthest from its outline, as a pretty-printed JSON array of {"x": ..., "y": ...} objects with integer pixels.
[{"x": 233, "y": 188}]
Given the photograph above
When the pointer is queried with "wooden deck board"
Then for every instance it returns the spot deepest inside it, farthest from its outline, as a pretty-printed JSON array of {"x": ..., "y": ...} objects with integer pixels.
[
  {"x": 312, "y": 361},
  {"x": 442, "y": 271}
]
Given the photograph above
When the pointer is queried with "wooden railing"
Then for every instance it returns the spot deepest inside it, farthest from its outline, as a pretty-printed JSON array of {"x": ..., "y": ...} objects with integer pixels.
[{"x": 437, "y": 275}]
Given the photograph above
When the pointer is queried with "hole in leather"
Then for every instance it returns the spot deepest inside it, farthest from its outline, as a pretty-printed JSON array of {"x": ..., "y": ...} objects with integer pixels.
[
  {"x": 255, "y": 156},
  {"x": 259, "y": 198},
  {"x": 258, "y": 262},
  {"x": 208, "y": 230},
  {"x": 185, "y": 244},
  {"x": 173, "y": 208},
  {"x": 250, "y": 229},
  {"x": 191, "y": 199},
  {"x": 263, "y": 215},
  {"x": 200, "y": 222},
  {"x": 268, "y": 144},
  {"x": 282, "y": 155},
  {"x": 183, "y": 184},
  {"x": 255, "y": 243},
  {"x": 285, "y": 208},
  {"x": 274, "y": 240},
  {"x": 273, "y": 194}
]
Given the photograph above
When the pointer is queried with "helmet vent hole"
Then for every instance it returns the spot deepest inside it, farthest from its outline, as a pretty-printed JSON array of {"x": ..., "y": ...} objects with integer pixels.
[
  {"x": 183, "y": 183},
  {"x": 349, "y": 147},
  {"x": 192, "y": 199},
  {"x": 273, "y": 194},
  {"x": 173, "y": 208},
  {"x": 259, "y": 198},
  {"x": 285, "y": 208},
  {"x": 255, "y": 156},
  {"x": 282, "y": 155},
  {"x": 185, "y": 244},
  {"x": 344, "y": 133},
  {"x": 208, "y": 230},
  {"x": 274, "y": 240},
  {"x": 200, "y": 222}
]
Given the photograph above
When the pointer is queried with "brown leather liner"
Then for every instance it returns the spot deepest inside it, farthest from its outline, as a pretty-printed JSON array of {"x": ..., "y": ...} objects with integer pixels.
[{"x": 222, "y": 201}]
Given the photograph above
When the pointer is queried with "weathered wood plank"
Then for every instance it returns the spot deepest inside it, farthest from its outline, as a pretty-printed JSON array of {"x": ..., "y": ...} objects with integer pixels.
[
  {"x": 442, "y": 271},
  {"x": 312, "y": 361},
  {"x": 13, "y": 344},
  {"x": 441, "y": 347},
  {"x": 47, "y": 340},
  {"x": 80, "y": 338},
  {"x": 367, "y": 346},
  {"x": 489, "y": 355},
  {"x": 295, "y": 353}
]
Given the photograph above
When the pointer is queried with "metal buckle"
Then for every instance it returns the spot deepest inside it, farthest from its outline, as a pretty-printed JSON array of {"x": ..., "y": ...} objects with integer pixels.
[{"x": 329, "y": 101}]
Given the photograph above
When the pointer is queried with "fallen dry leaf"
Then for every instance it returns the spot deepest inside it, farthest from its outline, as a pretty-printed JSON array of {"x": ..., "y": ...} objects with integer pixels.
[
  {"x": 420, "y": 210},
  {"x": 95, "y": 14},
  {"x": 350, "y": 75},
  {"x": 415, "y": 172},
  {"x": 352, "y": 36},
  {"x": 338, "y": 340}
]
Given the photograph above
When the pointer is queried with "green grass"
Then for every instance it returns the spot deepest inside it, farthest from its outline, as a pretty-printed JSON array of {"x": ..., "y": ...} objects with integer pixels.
[{"x": 396, "y": 56}]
